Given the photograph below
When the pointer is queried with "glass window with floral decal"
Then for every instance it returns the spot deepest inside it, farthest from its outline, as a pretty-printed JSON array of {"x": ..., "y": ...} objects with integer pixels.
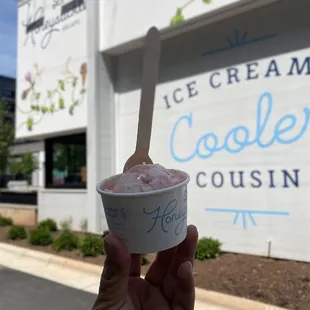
[{"x": 66, "y": 162}]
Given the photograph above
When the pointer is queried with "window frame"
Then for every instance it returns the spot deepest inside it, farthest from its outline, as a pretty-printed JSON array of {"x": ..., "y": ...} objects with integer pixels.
[{"x": 49, "y": 143}]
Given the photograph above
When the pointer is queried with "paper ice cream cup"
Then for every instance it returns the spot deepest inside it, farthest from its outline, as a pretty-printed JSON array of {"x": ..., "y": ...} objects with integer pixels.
[{"x": 146, "y": 222}]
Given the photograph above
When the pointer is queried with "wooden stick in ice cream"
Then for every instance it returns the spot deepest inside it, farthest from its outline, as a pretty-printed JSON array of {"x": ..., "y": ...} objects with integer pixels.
[{"x": 148, "y": 86}]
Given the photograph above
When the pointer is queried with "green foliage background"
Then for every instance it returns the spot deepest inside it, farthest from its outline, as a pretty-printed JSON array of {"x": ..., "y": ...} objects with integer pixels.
[
  {"x": 27, "y": 163},
  {"x": 6, "y": 138}
]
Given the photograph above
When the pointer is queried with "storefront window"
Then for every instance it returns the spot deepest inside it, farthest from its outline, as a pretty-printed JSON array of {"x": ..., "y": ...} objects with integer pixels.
[{"x": 66, "y": 162}]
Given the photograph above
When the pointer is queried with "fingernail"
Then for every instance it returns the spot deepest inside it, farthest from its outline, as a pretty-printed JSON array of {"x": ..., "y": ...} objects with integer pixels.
[{"x": 185, "y": 269}]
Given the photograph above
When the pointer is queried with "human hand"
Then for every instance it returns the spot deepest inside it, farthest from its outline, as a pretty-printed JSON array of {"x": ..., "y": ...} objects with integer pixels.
[{"x": 168, "y": 284}]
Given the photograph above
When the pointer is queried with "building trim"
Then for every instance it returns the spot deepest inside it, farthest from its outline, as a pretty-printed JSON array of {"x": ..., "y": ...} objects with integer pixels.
[
  {"x": 22, "y": 2},
  {"x": 26, "y": 148},
  {"x": 63, "y": 190},
  {"x": 194, "y": 23}
]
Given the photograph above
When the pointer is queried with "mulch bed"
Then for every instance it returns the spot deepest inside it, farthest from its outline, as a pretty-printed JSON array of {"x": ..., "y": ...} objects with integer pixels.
[{"x": 278, "y": 282}]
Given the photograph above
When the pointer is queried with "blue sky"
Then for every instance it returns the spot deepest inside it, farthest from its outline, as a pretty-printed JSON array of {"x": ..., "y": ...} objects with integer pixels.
[{"x": 8, "y": 37}]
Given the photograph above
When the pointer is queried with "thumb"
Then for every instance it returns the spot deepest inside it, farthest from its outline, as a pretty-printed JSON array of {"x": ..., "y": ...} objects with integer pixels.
[{"x": 114, "y": 279}]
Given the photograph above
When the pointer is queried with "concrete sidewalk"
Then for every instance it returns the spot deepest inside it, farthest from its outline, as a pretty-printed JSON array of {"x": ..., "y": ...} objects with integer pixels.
[{"x": 82, "y": 280}]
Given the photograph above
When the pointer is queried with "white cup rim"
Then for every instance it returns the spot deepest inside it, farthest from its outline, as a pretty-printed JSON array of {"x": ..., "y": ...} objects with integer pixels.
[{"x": 151, "y": 193}]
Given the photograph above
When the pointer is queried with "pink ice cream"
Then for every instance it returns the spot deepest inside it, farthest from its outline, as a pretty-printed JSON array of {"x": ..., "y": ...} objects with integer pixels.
[{"x": 148, "y": 177}]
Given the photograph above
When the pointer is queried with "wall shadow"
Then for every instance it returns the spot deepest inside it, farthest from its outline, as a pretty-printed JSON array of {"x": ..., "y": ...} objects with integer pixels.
[{"x": 273, "y": 30}]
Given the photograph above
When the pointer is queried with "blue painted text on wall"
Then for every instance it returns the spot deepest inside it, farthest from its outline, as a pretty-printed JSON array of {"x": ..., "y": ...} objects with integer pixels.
[
  {"x": 285, "y": 178},
  {"x": 240, "y": 137},
  {"x": 233, "y": 75},
  {"x": 247, "y": 214}
]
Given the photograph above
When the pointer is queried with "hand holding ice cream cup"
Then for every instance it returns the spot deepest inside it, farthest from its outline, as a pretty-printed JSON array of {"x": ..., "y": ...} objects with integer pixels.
[{"x": 146, "y": 205}]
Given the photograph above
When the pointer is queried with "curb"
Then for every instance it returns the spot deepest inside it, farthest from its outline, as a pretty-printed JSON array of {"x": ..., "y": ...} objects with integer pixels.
[
  {"x": 232, "y": 302},
  {"x": 209, "y": 297},
  {"x": 51, "y": 259},
  {"x": 74, "y": 264}
]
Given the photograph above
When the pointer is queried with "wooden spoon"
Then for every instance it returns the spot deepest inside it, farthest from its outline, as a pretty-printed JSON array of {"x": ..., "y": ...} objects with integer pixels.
[{"x": 149, "y": 80}]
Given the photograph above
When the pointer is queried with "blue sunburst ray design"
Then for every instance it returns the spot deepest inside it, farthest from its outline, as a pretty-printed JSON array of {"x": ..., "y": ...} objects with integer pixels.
[
  {"x": 247, "y": 215},
  {"x": 239, "y": 39}
]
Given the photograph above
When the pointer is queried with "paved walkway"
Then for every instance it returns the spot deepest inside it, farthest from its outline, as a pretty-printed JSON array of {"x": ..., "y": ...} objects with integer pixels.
[
  {"x": 63, "y": 275},
  {"x": 23, "y": 291}
]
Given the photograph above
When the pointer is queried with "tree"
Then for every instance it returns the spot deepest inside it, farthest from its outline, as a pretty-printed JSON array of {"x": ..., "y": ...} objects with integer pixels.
[
  {"x": 6, "y": 138},
  {"x": 60, "y": 157},
  {"x": 28, "y": 164},
  {"x": 15, "y": 167},
  {"x": 24, "y": 165}
]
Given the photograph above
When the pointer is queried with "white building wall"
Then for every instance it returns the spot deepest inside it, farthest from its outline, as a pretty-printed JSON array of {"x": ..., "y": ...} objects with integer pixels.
[
  {"x": 100, "y": 132},
  {"x": 63, "y": 205},
  {"x": 41, "y": 172},
  {"x": 125, "y": 22},
  {"x": 35, "y": 174},
  {"x": 52, "y": 69},
  {"x": 266, "y": 220},
  {"x": 112, "y": 116},
  {"x": 107, "y": 134},
  {"x": 53, "y": 59}
]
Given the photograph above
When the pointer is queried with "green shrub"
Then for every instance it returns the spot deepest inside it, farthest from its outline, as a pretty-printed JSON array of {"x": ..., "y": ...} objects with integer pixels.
[
  {"x": 66, "y": 224},
  {"x": 144, "y": 260},
  {"x": 84, "y": 225},
  {"x": 16, "y": 232},
  {"x": 49, "y": 224},
  {"x": 92, "y": 246},
  {"x": 5, "y": 221},
  {"x": 67, "y": 240},
  {"x": 40, "y": 236},
  {"x": 208, "y": 248}
]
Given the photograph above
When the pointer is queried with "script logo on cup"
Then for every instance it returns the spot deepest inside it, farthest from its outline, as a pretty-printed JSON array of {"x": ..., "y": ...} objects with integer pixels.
[{"x": 168, "y": 217}]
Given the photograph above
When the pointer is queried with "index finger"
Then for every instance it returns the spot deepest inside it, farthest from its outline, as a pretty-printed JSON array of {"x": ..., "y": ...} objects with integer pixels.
[
  {"x": 185, "y": 253},
  {"x": 160, "y": 267}
]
